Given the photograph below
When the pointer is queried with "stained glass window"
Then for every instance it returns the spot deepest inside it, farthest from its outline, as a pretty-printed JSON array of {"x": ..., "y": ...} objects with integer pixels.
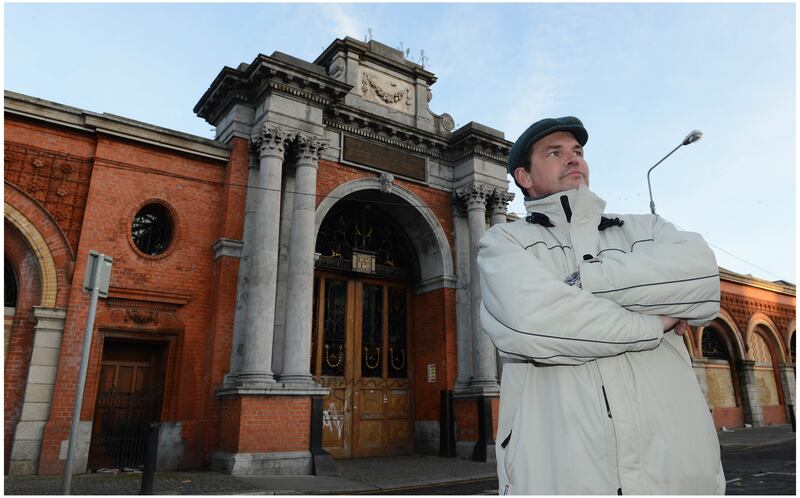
[{"x": 152, "y": 229}]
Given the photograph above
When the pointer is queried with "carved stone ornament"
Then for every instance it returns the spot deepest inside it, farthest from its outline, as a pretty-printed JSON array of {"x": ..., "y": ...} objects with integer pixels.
[
  {"x": 499, "y": 200},
  {"x": 335, "y": 69},
  {"x": 448, "y": 123},
  {"x": 386, "y": 181},
  {"x": 309, "y": 147},
  {"x": 271, "y": 139},
  {"x": 139, "y": 317},
  {"x": 386, "y": 91},
  {"x": 474, "y": 196}
]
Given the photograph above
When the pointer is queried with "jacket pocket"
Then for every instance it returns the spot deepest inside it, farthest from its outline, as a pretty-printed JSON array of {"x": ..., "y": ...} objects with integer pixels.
[
  {"x": 509, "y": 445},
  {"x": 669, "y": 339}
]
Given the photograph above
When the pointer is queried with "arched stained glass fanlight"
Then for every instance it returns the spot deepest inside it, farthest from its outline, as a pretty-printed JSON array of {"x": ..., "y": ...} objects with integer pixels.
[
  {"x": 354, "y": 230},
  {"x": 714, "y": 346}
]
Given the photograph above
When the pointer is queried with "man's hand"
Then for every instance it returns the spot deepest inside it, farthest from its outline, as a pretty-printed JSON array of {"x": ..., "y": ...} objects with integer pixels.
[{"x": 680, "y": 326}]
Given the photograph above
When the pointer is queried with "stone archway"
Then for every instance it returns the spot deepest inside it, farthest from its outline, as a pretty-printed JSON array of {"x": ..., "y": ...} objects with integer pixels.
[
  {"x": 356, "y": 432},
  {"x": 718, "y": 343},
  {"x": 766, "y": 350},
  {"x": 41, "y": 256},
  {"x": 424, "y": 231}
]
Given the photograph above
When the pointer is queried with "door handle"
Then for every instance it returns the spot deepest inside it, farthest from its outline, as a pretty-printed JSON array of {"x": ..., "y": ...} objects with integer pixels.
[{"x": 385, "y": 398}]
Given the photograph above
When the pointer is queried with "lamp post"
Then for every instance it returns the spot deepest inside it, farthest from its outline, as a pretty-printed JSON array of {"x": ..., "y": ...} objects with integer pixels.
[{"x": 692, "y": 137}]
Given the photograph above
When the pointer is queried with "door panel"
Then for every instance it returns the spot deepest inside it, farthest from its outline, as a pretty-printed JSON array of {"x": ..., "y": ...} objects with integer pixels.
[
  {"x": 368, "y": 412},
  {"x": 335, "y": 430},
  {"x": 129, "y": 397}
]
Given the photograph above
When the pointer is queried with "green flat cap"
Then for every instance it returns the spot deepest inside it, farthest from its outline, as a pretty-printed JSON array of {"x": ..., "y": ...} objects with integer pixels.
[{"x": 539, "y": 130}]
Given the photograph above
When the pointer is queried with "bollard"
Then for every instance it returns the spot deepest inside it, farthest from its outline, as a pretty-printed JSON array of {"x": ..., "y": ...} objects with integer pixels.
[
  {"x": 150, "y": 458},
  {"x": 447, "y": 425},
  {"x": 791, "y": 415},
  {"x": 485, "y": 439}
]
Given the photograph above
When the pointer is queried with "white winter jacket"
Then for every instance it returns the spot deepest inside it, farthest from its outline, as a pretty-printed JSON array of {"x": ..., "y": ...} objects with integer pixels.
[{"x": 595, "y": 397}]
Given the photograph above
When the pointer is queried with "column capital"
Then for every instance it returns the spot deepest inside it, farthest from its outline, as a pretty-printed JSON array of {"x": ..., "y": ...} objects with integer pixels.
[
  {"x": 271, "y": 140},
  {"x": 745, "y": 364},
  {"x": 307, "y": 148},
  {"x": 498, "y": 201},
  {"x": 474, "y": 197}
]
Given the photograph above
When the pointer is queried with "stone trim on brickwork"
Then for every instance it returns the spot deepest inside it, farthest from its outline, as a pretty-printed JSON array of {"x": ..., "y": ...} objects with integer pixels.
[
  {"x": 21, "y": 105},
  {"x": 40, "y": 248},
  {"x": 259, "y": 464},
  {"x": 766, "y": 322},
  {"x": 38, "y": 390},
  {"x": 436, "y": 267},
  {"x": 789, "y": 290},
  {"x": 228, "y": 248}
]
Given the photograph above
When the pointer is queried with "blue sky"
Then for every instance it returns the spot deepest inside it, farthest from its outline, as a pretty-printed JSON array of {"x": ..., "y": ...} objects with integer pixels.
[{"x": 640, "y": 76}]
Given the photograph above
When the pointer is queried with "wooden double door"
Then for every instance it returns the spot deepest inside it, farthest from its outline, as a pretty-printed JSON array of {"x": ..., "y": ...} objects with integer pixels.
[
  {"x": 361, "y": 350},
  {"x": 129, "y": 396}
]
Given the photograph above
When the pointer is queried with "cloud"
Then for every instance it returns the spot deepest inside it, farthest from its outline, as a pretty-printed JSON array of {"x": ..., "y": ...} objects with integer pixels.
[{"x": 340, "y": 22}]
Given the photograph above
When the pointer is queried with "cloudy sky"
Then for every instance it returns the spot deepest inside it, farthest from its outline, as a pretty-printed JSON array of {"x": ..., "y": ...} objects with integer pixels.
[{"x": 640, "y": 76}]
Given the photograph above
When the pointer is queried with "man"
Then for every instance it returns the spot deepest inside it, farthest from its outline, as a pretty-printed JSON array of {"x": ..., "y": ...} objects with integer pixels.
[{"x": 598, "y": 395}]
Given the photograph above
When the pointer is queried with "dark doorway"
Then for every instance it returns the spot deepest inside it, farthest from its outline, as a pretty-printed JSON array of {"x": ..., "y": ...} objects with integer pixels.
[{"x": 129, "y": 395}]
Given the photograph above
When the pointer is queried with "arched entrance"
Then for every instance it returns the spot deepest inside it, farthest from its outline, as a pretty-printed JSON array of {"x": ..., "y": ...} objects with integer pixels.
[
  {"x": 770, "y": 395},
  {"x": 362, "y": 330},
  {"x": 724, "y": 393}
]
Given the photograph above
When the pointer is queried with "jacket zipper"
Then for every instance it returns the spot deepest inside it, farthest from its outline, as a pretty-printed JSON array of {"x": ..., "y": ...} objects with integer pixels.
[{"x": 605, "y": 398}]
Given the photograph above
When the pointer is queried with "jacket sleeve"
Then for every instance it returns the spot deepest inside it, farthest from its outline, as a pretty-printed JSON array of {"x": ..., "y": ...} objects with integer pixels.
[
  {"x": 674, "y": 274},
  {"x": 531, "y": 314}
]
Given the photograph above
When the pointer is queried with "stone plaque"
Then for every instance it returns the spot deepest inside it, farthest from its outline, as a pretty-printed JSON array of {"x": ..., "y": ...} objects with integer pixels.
[
  {"x": 383, "y": 158},
  {"x": 363, "y": 263},
  {"x": 387, "y": 91}
]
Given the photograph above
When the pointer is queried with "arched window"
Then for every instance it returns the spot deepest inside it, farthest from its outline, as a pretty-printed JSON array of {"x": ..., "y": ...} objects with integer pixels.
[
  {"x": 10, "y": 289},
  {"x": 714, "y": 346},
  {"x": 361, "y": 237}
]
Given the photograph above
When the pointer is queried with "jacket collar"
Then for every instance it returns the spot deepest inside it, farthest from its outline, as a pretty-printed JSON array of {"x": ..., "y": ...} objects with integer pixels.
[{"x": 560, "y": 207}]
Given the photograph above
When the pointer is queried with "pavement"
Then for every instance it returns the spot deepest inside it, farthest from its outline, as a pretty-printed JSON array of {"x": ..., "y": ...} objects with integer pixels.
[{"x": 356, "y": 476}]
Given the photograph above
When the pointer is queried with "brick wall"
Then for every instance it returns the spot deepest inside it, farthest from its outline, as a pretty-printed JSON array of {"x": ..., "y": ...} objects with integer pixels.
[
  {"x": 434, "y": 343},
  {"x": 252, "y": 424},
  {"x": 92, "y": 187}
]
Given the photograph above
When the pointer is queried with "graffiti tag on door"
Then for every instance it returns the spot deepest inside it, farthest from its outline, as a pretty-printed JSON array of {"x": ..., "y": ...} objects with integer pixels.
[{"x": 332, "y": 420}]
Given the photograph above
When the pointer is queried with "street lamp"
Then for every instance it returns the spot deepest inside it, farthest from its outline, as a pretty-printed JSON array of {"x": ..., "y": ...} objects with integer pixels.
[{"x": 692, "y": 137}]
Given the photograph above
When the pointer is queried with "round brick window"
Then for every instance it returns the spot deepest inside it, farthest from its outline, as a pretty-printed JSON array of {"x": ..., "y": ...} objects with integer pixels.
[{"x": 153, "y": 229}]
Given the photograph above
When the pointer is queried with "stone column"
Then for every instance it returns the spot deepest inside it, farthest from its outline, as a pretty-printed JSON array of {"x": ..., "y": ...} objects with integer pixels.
[
  {"x": 498, "y": 206},
  {"x": 699, "y": 367},
  {"x": 749, "y": 390},
  {"x": 27, "y": 444},
  {"x": 297, "y": 336},
  {"x": 251, "y": 357},
  {"x": 788, "y": 380},
  {"x": 498, "y": 209},
  {"x": 484, "y": 373}
]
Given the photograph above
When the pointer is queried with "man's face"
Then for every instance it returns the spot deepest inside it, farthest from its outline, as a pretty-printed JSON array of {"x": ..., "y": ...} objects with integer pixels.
[{"x": 557, "y": 164}]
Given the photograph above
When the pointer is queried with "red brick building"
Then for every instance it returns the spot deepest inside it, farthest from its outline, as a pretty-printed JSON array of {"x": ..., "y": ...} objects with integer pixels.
[{"x": 321, "y": 246}]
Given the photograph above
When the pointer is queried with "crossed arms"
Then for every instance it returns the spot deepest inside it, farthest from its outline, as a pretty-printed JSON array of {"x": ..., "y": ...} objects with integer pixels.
[{"x": 530, "y": 313}]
